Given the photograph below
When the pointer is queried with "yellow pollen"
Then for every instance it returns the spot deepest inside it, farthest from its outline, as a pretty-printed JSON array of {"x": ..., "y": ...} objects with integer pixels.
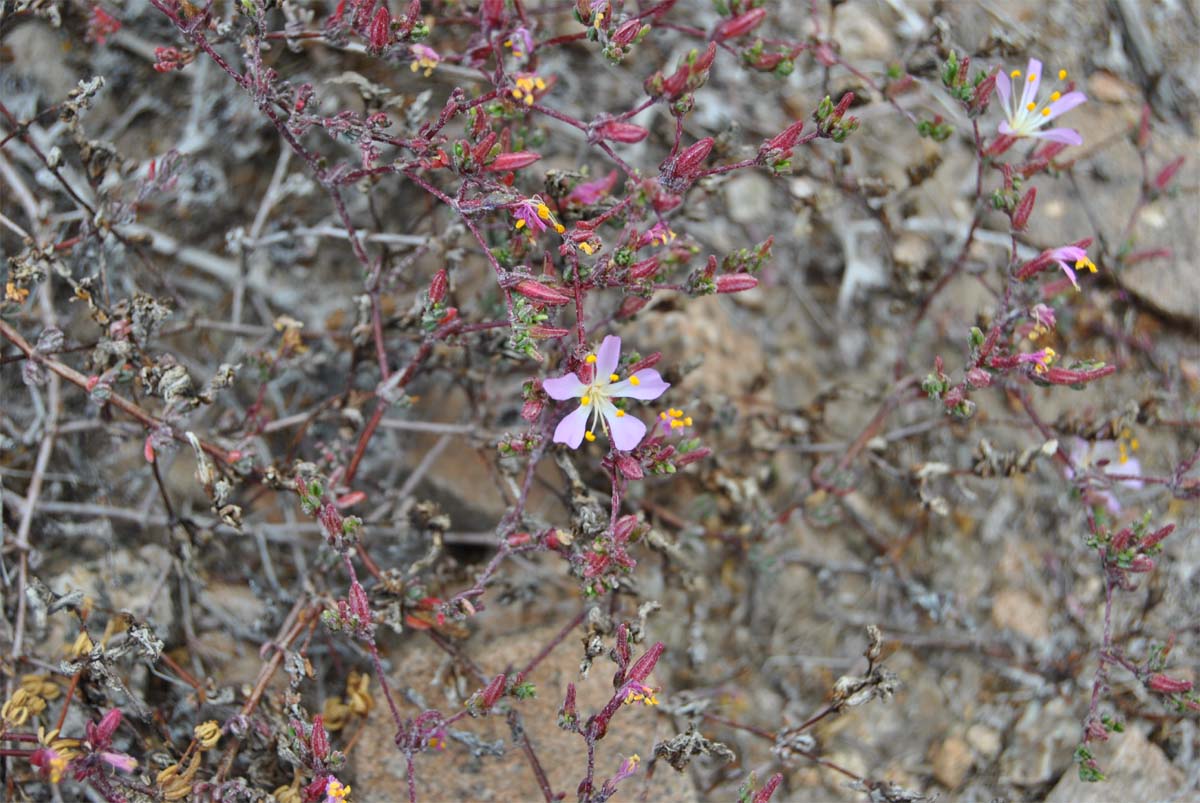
[
  {"x": 1015, "y": 73},
  {"x": 508, "y": 43},
  {"x": 676, "y": 424},
  {"x": 633, "y": 380},
  {"x": 1084, "y": 262},
  {"x": 1055, "y": 96},
  {"x": 1050, "y": 355},
  {"x": 591, "y": 436},
  {"x": 1034, "y": 334},
  {"x": 1125, "y": 433},
  {"x": 620, "y": 413},
  {"x": 676, "y": 413},
  {"x": 1062, "y": 75},
  {"x": 663, "y": 416},
  {"x": 529, "y": 100},
  {"x": 520, "y": 224},
  {"x": 613, "y": 377},
  {"x": 586, "y": 248},
  {"x": 591, "y": 358},
  {"x": 543, "y": 211},
  {"x": 585, "y": 400},
  {"x": 1133, "y": 444},
  {"x": 1046, "y": 112},
  {"x": 1032, "y": 77},
  {"x": 1031, "y": 106},
  {"x": 687, "y": 422},
  {"x": 558, "y": 227},
  {"x": 1124, "y": 455},
  {"x": 539, "y": 83}
]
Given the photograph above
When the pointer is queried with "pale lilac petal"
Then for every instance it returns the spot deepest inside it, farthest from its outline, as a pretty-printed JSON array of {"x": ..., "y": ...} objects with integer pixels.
[
  {"x": 625, "y": 431},
  {"x": 1067, "y": 136},
  {"x": 1130, "y": 466},
  {"x": 1069, "y": 271},
  {"x": 1004, "y": 88},
  {"x": 570, "y": 430},
  {"x": 564, "y": 387},
  {"x": 1065, "y": 104},
  {"x": 607, "y": 356},
  {"x": 650, "y": 386},
  {"x": 1006, "y": 129},
  {"x": 1033, "y": 77}
]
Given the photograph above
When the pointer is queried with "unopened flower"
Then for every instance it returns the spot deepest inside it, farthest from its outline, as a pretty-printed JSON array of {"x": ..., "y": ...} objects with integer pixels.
[
  {"x": 628, "y": 768},
  {"x": 521, "y": 43},
  {"x": 1168, "y": 685},
  {"x": 1044, "y": 320},
  {"x": 526, "y": 85},
  {"x": 424, "y": 58},
  {"x": 534, "y": 213},
  {"x": 1025, "y": 118},
  {"x": 1102, "y": 454},
  {"x": 595, "y": 399},
  {"x": 637, "y": 692}
]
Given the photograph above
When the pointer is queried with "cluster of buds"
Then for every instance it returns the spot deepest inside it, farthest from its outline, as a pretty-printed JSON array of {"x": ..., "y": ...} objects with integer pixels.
[
  {"x": 781, "y": 62},
  {"x": 352, "y": 615},
  {"x": 973, "y": 93},
  {"x": 435, "y": 313},
  {"x": 705, "y": 281},
  {"x": 832, "y": 122},
  {"x": 678, "y": 172},
  {"x": 776, "y": 152},
  {"x": 101, "y": 25},
  {"x": 482, "y": 701},
  {"x": 1130, "y": 549},
  {"x": 676, "y": 88},
  {"x": 168, "y": 59},
  {"x": 372, "y": 20}
]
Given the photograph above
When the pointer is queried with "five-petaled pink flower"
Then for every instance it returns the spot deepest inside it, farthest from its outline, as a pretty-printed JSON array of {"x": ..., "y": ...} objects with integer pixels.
[
  {"x": 1072, "y": 258},
  {"x": 534, "y": 213},
  {"x": 1025, "y": 118},
  {"x": 595, "y": 399}
]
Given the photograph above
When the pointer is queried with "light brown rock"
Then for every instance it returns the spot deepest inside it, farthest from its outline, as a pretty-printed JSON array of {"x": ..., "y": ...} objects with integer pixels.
[
  {"x": 951, "y": 760},
  {"x": 1016, "y": 610},
  {"x": 1135, "y": 768}
]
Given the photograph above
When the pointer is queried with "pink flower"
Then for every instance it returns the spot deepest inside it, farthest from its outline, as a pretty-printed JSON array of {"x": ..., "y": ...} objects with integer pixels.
[
  {"x": 628, "y": 768},
  {"x": 534, "y": 213},
  {"x": 1025, "y": 118},
  {"x": 1072, "y": 255},
  {"x": 424, "y": 58},
  {"x": 595, "y": 399},
  {"x": 119, "y": 761},
  {"x": 1085, "y": 455},
  {"x": 1040, "y": 359},
  {"x": 589, "y": 192},
  {"x": 521, "y": 43}
]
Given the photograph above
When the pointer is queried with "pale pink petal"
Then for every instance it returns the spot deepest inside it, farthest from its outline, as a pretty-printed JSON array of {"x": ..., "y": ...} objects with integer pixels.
[
  {"x": 1069, "y": 271},
  {"x": 1006, "y": 129},
  {"x": 1065, "y": 104},
  {"x": 1130, "y": 466},
  {"x": 570, "y": 430},
  {"x": 564, "y": 387},
  {"x": 607, "y": 356},
  {"x": 650, "y": 386},
  {"x": 1004, "y": 88},
  {"x": 625, "y": 431},
  {"x": 1033, "y": 77},
  {"x": 1067, "y": 136}
]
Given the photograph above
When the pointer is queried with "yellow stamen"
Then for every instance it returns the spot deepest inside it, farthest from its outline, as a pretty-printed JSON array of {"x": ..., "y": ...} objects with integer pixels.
[
  {"x": 558, "y": 227},
  {"x": 676, "y": 424},
  {"x": 687, "y": 422},
  {"x": 529, "y": 100},
  {"x": 620, "y": 413},
  {"x": 591, "y": 436},
  {"x": 1055, "y": 96},
  {"x": 663, "y": 416},
  {"x": 613, "y": 377},
  {"x": 676, "y": 413},
  {"x": 1032, "y": 77},
  {"x": 1133, "y": 444},
  {"x": 591, "y": 358},
  {"x": 1046, "y": 112},
  {"x": 585, "y": 401},
  {"x": 586, "y": 248},
  {"x": 508, "y": 43},
  {"x": 539, "y": 83},
  {"x": 1015, "y": 73},
  {"x": 1062, "y": 75},
  {"x": 520, "y": 224},
  {"x": 543, "y": 211},
  {"x": 1124, "y": 455},
  {"x": 1126, "y": 433},
  {"x": 1031, "y": 106},
  {"x": 633, "y": 380}
]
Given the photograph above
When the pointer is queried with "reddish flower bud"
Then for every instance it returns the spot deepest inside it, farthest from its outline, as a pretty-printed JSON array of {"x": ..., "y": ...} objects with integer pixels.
[
  {"x": 349, "y": 500},
  {"x": 763, "y": 795},
  {"x": 999, "y": 145},
  {"x": 492, "y": 13},
  {"x": 739, "y": 25},
  {"x": 1063, "y": 376},
  {"x": 1121, "y": 540},
  {"x": 548, "y": 332},
  {"x": 1156, "y": 537},
  {"x": 630, "y": 467},
  {"x": 568, "y": 712},
  {"x": 624, "y": 528},
  {"x": 705, "y": 60},
  {"x": 644, "y": 269},
  {"x": 627, "y": 32},
  {"x": 1020, "y": 216},
  {"x": 642, "y": 668},
  {"x": 623, "y": 653},
  {"x": 1167, "y": 173},
  {"x": 979, "y": 378},
  {"x": 331, "y": 521},
  {"x": 842, "y": 106},
  {"x": 691, "y": 159},
  {"x": 319, "y": 741},
  {"x": 1141, "y": 565},
  {"x": 736, "y": 282},
  {"x": 540, "y": 292},
  {"x": 631, "y": 306},
  {"x": 1168, "y": 685},
  {"x": 379, "y": 33},
  {"x": 786, "y": 139},
  {"x": 649, "y": 361},
  {"x": 513, "y": 161},
  {"x": 1143, "y": 133},
  {"x": 616, "y": 131},
  {"x": 983, "y": 94},
  {"x": 493, "y": 691},
  {"x": 693, "y": 456},
  {"x": 360, "y": 607},
  {"x": 531, "y": 409},
  {"x": 438, "y": 285},
  {"x": 100, "y": 734}
]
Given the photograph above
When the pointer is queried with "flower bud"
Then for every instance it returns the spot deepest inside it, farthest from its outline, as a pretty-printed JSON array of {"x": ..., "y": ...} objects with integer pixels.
[
  {"x": 1167, "y": 173},
  {"x": 627, "y": 32},
  {"x": 1020, "y": 216},
  {"x": 624, "y": 528},
  {"x": 380, "y": 31},
  {"x": 1156, "y": 537},
  {"x": 319, "y": 741},
  {"x": 693, "y": 456},
  {"x": 644, "y": 665},
  {"x": 739, "y": 25},
  {"x": 616, "y": 131},
  {"x": 631, "y": 306},
  {"x": 979, "y": 378},
  {"x": 1141, "y": 565},
  {"x": 736, "y": 282},
  {"x": 360, "y": 607},
  {"x": 493, "y": 691},
  {"x": 1168, "y": 685},
  {"x": 764, "y": 795},
  {"x": 438, "y": 285},
  {"x": 539, "y": 292},
  {"x": 623, "y": 653},
  {"x": 513, "y": 161},
  {"x": 644, "y": 269},
  {"x": 630, "y": 467}
]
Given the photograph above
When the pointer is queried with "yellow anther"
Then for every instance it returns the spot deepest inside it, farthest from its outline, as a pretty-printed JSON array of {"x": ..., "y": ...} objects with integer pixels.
[
  {"x": 1031, "y": 105},
  {"x": 613, "y": 377},
  {"x": 1062, "y": 75},
  {"x": 529, "y": 100},
  {"x": 1046, "y": 112},
  {"x": 1134, "y": 444},
  {"x": 1055, "y": 96},
  {"x": 539, "y": 83},
  {"x": 508, "y": 43},
  {"x": 543, "y": 211},
  {"x": 518, "y": 94},
  {"x": 585, "y": 401},
  {"x": 591, "y": 358},
  {"x": 587, "y": 248},
  {"x": 676, "y": 424},
  {"x": 633, "y": 380},
  {"x": 591, "y": 436},
  {"x": 558, "y": 227},
  {"x": 1126, "y": 433},
  {"x": 663, "y": 416},
  {"x": 1032, "y": 77},
  {"x": 676, "y": 413},
  {"x": 1124, "y": 455},
  {"x": 620, "y": 413},
  {"x": 520, "y": 224},
  {"x": 1015, "y": 73},
  {"x": 687, "y": 422},
  {"x": 1050, "y": 355}
]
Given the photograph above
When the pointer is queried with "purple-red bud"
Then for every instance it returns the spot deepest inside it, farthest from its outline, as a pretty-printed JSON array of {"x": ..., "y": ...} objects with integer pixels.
[
  {"x": 319, "y": 741},
  {"x": 692, "y": 158},
  {"x": 630, "y": 467},
  {"x": 1024, "y": 208},
  {"x": 438, "y": 285},
  {"x": 644, "y": 269},
  {"x": 493, "y": 691},
  {"x": 1167, "y": 173},
  {"x": 627, "y": 32},
  {"x": 693, "y": 456},
  {"x": 1156, "y": 537},
  {"x": 1168, "y": 685},
  {"x": 380, "y": 31},
  {"x": 736, "y": 283},
  {"x": 764, "y": 795},
  {"x": 513, "y": 161},
  {"x": 979, "y": 378},
  {"x": 616, "y": 131},
  {"x": 644, "y": 665},
  {"x": 540, "y": 292},
  {"x": 360, "y": 607},
  {"x": 739, "y": 25}
]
